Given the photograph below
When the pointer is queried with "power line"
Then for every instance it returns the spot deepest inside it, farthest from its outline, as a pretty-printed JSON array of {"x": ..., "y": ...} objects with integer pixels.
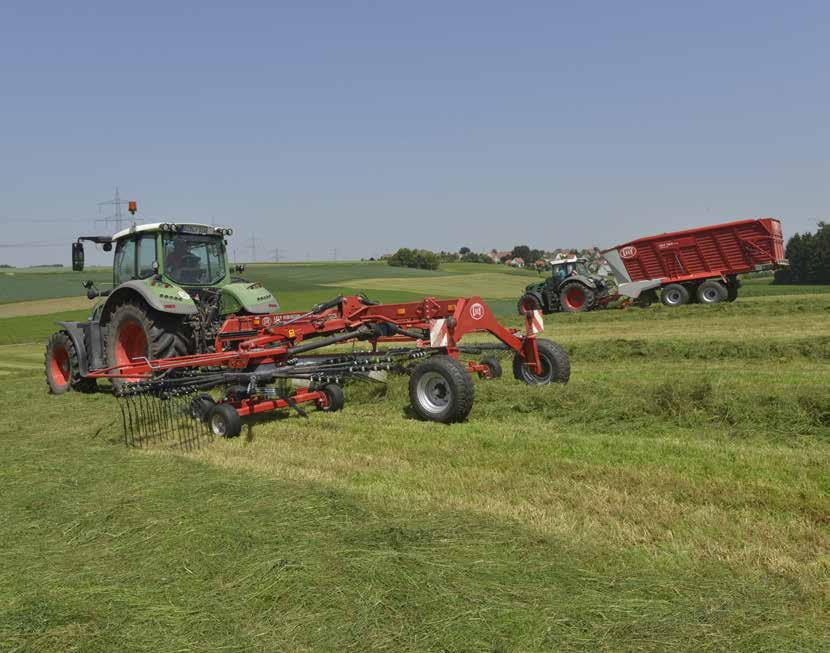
[
  {"x": 116, "y": 218},
  {"x": 253, "y": 248},
  {"x": 277, "y": 254}
]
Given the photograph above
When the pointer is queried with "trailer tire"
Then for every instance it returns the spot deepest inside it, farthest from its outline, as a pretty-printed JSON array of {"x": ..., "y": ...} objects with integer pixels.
[
  {"x": 556, "y": 365},
  {"x": 62, "y": 366},
  {"x": 441, "y": 390},
  {"x": 731, "y": 292},
  {"x": 224, "y": 422},
  {"x": 576, "y": 297},
  {"x": 712, "y": 292},
  {"x": 135, "y": 330},
  {"x": 494, "y": 366},
  {"x": 674, "y": 295},
  {"x": 528, "y": 303},
  {"x": 335, "y": 399}
]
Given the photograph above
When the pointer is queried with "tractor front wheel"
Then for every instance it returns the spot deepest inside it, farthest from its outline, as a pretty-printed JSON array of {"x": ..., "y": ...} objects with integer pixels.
[
  {"x": 576, "y": 297},
  {"x": 134, "y": 332},
  {"x": 62, "y": 366},
  {"x": 556, "y": 366}
]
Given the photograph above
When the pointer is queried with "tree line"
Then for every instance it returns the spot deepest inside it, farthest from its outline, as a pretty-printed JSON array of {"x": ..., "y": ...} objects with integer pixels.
[{"x": 809, "y": 257}]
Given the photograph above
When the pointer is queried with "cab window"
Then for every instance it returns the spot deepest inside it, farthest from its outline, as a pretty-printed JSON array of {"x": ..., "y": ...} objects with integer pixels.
[
  {"x": 124, "y": 261},
  {"x": 146, "y": 255}
]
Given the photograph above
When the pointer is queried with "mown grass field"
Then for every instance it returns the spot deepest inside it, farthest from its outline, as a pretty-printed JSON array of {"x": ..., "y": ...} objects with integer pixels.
[{"x": 674, "y": 496}]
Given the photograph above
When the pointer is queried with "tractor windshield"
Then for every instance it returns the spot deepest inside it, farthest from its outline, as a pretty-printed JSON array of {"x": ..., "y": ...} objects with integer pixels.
[{"x": 198, "y": 260}]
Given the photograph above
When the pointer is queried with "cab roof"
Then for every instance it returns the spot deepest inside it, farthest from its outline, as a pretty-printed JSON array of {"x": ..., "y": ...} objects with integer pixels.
[{"x": 207, "y": 229}]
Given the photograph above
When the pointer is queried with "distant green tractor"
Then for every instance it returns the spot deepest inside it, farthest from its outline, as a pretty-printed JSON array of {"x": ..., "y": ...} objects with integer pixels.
[
  {"x": 571, "y": 288},
  {"x": 172, "y": 290}
]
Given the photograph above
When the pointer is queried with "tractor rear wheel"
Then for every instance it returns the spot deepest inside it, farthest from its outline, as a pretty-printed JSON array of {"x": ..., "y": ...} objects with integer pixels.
[
  {"x": 674, "y": 295},
  {"x": 441, "y": 390},
  {"x": 62, "y": 366},
  {"x": 576, "y": 297},
  {"x": 556, "y": 366},
  {"x": 135, "y": 331},
  {"x": 711, "y": 292}
]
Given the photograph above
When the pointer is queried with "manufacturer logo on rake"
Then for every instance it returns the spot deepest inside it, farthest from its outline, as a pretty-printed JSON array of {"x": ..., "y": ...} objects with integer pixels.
[
  {"x": 477, "y": 311},
  {"x": 628, "y": 252}
]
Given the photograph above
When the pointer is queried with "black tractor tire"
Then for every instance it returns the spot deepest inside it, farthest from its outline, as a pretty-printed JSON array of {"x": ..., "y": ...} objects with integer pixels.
[
  {"x": 576, "y": 297},
  {"x": 441, "y": 390},
  {"x": 494, "y": 367},
  {"x": 712, "y": 292},
  {"x": 335, "y": 399},
  {"x": 133, "y": 330},
  {"x": 224, "y": 422},
  {"x": 732, "y": 291},
  {"x": 674, "y": 295},
  {"x": 556, "y": 365},
  {"x": 62, "y": 366},
  {"x": 528, "y": 303}
]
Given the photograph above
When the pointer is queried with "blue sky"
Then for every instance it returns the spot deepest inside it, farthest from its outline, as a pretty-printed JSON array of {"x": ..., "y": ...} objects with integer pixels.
[{"x": 365, "y": 126}]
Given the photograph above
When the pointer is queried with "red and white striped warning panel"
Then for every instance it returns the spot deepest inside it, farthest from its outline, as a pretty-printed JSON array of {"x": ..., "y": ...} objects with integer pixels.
[
  {"x": 438, "y": 334},
  {"x": 536, "y": 323}
]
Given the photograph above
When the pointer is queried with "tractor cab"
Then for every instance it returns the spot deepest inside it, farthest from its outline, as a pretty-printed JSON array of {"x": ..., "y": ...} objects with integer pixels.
[{"x": 561, "y": 269}]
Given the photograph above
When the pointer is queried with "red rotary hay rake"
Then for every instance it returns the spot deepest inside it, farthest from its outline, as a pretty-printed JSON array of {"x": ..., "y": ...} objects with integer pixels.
[{"x": 259, "y": 359}]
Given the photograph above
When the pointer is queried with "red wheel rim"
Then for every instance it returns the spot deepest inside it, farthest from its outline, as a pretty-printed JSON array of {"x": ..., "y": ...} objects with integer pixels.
[
  {"x": 130, "y": 345},
  {"x": 575, "y": 297},
  {"x": 59, "y": 365}
]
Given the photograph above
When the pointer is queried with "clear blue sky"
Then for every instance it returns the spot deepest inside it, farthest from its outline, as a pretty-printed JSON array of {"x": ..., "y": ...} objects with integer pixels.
[{"x": 364, "y": 126}]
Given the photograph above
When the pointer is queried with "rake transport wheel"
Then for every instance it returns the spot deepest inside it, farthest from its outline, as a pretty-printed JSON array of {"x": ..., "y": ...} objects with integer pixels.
[
  {"x": 223, "y": 421},
  {"x": 674, "y": 295},
  {"x": 493, "y": 366},
  {"x": 61, "y": 365},
  {"x": 712, "y": 292},
  {"x": 201, "y": 406},
  {"x": 334, "y": 398},
  {"x": 556, "y": 366},
  {"x": 441, "y": 390},
  {"x": 528, "y": 303},
  {"x": 575, "y": 297},
  {"x": 135, "y": 331}
]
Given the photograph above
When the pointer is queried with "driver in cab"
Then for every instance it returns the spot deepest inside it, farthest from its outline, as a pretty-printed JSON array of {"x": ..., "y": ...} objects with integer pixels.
[{"x": 180, "y": 260}]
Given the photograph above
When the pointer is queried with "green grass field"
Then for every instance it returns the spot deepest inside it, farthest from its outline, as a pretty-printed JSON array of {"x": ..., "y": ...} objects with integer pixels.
[{"x": 674, "y": 496}]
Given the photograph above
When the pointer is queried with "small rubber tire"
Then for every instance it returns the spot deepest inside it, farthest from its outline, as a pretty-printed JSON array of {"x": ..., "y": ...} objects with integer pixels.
[
  {"x": 674, "y": 295},
  {"x": 62, "y": 366},
  {"x": 441, "y": 390},
  {"x": 494, "y": 365},
  {"x": 731, "y": 293},
  {"x": 712, "y": 292},
  {"x": 201, "y": 406},
  {"x": 556, "y": 365},
  {"x": 224, "y": 422},
  {"x": 335, "y": 398},
  {"x": 576, "y": 297},
  {"x": 528, "y": 303}
]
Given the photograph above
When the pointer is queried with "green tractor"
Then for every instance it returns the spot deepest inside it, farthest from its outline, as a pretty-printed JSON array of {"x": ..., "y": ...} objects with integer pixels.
[
  {"x": 571, "y": 288},
  {"x": 171, "y": 291}
]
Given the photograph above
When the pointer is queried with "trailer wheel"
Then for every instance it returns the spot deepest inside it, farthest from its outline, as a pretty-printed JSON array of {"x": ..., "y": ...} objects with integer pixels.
[
  {"x": 528, "y": 303},
  {"x": 441, "y": 390},
  {"x": 62, "y": 366},
  {"x": 335, "y": 399},
  {"x": 674, "y": 295},
  {"x": 556, "y": 366},
  {"x": 731, "y": 292},
  {"x": 494, "y": 367},
  {"x": 711, "y": 292},
  {"x": 575, "y": 297},
  {"x": 224, "y": 421}
]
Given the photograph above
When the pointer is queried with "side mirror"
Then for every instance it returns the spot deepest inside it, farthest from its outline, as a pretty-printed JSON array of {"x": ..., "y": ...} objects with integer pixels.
[{"x": 78, "y": 257}]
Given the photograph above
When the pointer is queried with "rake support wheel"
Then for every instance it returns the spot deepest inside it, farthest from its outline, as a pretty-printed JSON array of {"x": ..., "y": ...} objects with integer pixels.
[
  {"x": 556, "y": 366},
  {"x": 441, "y": 390},
  {"x": 224, "y": 422}
]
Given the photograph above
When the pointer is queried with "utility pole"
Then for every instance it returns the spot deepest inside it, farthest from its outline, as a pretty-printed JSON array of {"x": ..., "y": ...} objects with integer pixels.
[
  {"x": 277, "y": 253},
  {"x": 253, "y": 248},
  {"x": 334, "y": 254},
  {"x": 117, "y": 218}
]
